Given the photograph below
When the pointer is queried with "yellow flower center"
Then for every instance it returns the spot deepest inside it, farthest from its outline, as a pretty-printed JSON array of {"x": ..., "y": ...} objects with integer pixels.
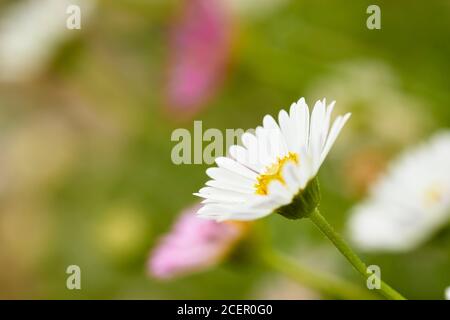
[
  {"x": 433, "y": 195},
  {"x": 273, "y": 172}
]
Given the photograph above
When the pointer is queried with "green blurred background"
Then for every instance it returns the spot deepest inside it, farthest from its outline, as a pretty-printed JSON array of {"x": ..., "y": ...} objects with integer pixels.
[{"x": 86, "y": 176}]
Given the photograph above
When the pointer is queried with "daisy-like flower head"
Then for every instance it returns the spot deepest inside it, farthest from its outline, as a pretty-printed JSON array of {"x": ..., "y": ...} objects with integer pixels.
[
  {"x": 30, "y": 33},
  {"x": 409, "y": 202},
  {"x": 200, "y": 50},
  {"x": 275, "y": 169},
  {"x": 194, "y": 245}
]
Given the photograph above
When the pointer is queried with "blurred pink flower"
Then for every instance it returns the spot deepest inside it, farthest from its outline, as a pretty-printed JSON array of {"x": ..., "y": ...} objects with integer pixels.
[
  {"x": 194, "y": 244},
  {"x": 199, "y": 51}
]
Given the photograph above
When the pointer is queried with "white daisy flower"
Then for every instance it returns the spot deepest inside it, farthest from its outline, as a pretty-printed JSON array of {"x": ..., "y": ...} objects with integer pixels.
[
  {"x": 409, "y": 203},
  {"x": 274, "y": 167},
  {"x": 31, "y": 31}
]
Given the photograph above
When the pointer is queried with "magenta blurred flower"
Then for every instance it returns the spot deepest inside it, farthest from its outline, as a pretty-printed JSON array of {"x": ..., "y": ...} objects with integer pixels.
[
  {"x": 194, "y": 244},
  {"x": 199, "y": 52}
]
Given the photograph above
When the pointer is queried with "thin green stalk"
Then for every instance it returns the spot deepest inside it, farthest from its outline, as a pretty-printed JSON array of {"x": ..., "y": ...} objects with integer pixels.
[
  {"x": 351, "y": 256},
  {"x": 320, "y": 282}
]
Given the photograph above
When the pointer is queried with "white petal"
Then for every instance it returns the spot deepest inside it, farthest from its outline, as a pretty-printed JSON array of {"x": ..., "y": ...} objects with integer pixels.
[
  {"x": 315, "y": 132},
  {"x": 276, "y": 143},
  {"x": 287, "y": 130},
  {"x": 290, "y": 177},
  {"x": 235, "y": 167},
  {"x": 334, "y": 132},
  {"x": 269, "y": 123},
  {"x": 300, "y": 117},
  {"x": 221, "y": 195},
  {"x": 241, "y": 155},
  {"x": 265, "y": 157},
  {"x": 229, "y": 177},
  {"x": 279, "y": 192},
  {"x": 251, "y": 143},
  {"x": 326, "y": 126},
  {"x": 230, "y": 186}
]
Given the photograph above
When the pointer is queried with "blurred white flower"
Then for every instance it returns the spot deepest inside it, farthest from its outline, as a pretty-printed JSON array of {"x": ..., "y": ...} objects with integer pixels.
[
  {"x": 275, "y": 168},
  {"x": 30, "y": 31},
  {"x": 409, "y": 203},
  {"x": 447, "y": 293}
]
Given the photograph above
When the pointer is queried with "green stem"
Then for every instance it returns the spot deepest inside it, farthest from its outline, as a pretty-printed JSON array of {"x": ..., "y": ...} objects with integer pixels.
[
  {"x": 348, "y": 253},
  {"x": 322, "y": 283}
]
